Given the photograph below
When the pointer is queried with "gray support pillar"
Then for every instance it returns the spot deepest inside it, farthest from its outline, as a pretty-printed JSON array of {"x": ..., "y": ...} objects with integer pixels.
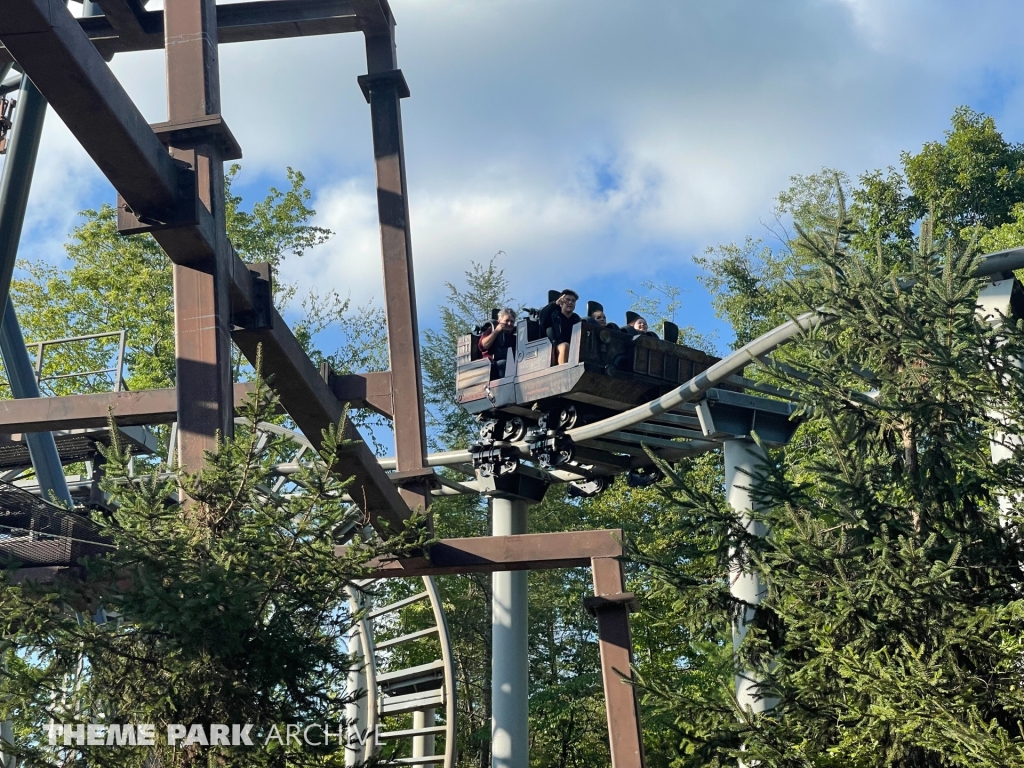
[
  {"x": 6, "y": 737},
  {"x": 41, "y": 447},
  {"x": 14, "y": 191},
  {"x": 356, "y": 712},
  {"x": 994, "y": 305},
  {"x": 509, "y": 650},
  {"x": 17, "y": 176},
  {"x": 423, "y": 746},
  {"x": 742, "y": 457}
]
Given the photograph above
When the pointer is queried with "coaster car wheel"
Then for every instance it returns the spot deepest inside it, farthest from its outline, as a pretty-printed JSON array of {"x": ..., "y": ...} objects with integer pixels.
[
  {"x": 587, "y": 489},
  {"x": 644, "y": 477}
]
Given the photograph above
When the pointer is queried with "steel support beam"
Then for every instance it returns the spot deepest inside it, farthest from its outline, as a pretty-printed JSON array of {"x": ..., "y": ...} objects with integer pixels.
[
  {"x": 42, "y": 449},
  {"x": 236, "y": 23},
  {"x": 56, "y": 53},
  {"x": 119, "y": 31},
  {"x": 510, "y": 657},
  {"x": 310, "y": 403},
  {"x": 50, "y": 46},
  {"x": 384, "y": 87},
  {"x": 14, "y": 192},
  {"x": 742, "y": 458},
  {"x": 363, "y": 390},
  {"x": 611, "y": 605},
  {"x": 602, "y": 551},
  {"x": 125, "y": 17},
  {"x": 202, "y": 305},
  {"x": 521, "y": 552}
]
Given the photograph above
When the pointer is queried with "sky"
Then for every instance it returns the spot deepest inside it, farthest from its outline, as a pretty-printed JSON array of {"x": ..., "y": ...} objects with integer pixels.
[{"x": 596, "y": 144}]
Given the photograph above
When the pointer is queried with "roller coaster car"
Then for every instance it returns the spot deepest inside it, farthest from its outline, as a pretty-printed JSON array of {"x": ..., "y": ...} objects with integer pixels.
[{"x": 608, "y": 371}]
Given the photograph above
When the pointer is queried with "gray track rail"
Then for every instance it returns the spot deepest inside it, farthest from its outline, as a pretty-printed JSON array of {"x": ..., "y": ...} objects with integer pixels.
[{"x": 619, "y": 431}]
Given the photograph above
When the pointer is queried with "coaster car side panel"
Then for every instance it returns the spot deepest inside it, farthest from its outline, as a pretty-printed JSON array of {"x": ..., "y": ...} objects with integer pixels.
[{"x": 607, "y": 368}]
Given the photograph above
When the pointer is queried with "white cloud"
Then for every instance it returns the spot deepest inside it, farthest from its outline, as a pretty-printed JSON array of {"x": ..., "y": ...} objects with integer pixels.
[{"x": 588, "y": 134}]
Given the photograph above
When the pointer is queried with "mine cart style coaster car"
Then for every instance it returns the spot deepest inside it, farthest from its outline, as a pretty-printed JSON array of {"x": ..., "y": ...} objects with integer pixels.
[{"x": 608, "y": 371}]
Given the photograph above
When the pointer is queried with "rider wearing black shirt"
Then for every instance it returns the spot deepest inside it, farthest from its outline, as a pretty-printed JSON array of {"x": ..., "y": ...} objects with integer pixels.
[
  {"x": 557, "y": 320},
  {"x": 495, "y": 344}
]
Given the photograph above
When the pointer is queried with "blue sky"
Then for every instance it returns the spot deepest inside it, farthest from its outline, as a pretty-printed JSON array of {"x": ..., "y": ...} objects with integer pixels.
[{"x": 597, "y": 143}]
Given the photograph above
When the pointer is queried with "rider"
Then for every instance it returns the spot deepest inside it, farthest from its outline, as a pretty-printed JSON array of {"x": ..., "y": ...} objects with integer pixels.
[
  {"x": 557, "y": 320},
  {"x": 637, "y": 325},
  {"x": 496, "y": 342}
]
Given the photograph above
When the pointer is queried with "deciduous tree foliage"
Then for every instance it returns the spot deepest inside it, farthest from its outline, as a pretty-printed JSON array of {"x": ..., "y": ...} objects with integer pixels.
[{"x": 114, "y": 283}]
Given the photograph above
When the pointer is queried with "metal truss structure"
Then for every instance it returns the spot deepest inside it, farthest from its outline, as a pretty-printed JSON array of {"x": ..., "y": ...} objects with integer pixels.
[{"x": 169, "y": 183}]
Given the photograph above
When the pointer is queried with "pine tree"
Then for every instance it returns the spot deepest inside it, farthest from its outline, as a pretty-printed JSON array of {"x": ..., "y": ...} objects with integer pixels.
[
  {"x": 892, "y": 628},
  {"x": 233, "y": 608}
]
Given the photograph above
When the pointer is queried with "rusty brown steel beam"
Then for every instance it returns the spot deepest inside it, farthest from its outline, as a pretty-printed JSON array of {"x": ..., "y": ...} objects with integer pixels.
[
  {"x": 273, "y": 19},
  {"x": 50, "y": 46},
  {"x": 48, "y": 414},
  {"x": 384, "y": 86},
  {"x": 611, "y": 606},
  {"x": 311, "y": 404},
  {"x": 151, "y": 406},
  {"x": 362, "y": 390},
  {"x": 202, "y": 303},
  {"x": 522, "y": 552},
  {"x": 236, "y": 22}
]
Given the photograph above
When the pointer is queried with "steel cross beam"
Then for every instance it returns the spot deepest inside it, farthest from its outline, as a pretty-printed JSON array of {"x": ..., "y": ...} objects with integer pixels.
[
  {"x": 48, "y": 43},
  {"x": 610, "y": 605},
  {"x": 171, "y": 198},
  {"x": 126, "y": 26}
]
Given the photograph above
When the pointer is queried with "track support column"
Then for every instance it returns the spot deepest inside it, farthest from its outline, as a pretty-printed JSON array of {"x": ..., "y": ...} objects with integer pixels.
[
  {"x": 14, "y": 191},
  {"x": 202, "y": 308},
  {"x": 384, "y": 86},
  {"x": 423, "y": 746},
  {"x": 611, "y": 606},
  {"x": 510, "y": 679},
  {"x": 357, "y": 710},
  {"x": 742, "y": 457}
]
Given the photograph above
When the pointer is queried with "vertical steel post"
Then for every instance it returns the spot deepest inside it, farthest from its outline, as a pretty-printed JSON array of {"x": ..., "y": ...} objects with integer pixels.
[
  {"x": 202, "y": 308},
  {"x": 356, "y": 711},
  {"x": 423, "y": 746},
  {"x": 993, "y": 306},
  {"x": 510, "y": 703},
  {"x": 14, "y": 191},
  {"x": 384, "y": 87},
  {"x": 742, "y": 457},
  {"x": 7, "y": 760},
  {"x": 611, "y": 605}
]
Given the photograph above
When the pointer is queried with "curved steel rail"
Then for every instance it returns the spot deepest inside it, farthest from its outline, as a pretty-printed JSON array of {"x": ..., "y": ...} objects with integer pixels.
[
  {"x": 729, "y": 366},
  {"x": 389, "y": 690}
]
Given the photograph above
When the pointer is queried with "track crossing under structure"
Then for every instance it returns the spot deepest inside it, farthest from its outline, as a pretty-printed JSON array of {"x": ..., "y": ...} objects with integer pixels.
[{"x": 169, "y": 183}]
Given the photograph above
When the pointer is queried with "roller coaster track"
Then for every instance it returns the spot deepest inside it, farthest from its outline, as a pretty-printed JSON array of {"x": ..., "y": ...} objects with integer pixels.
[
  {"x": 392, "y": 687},
  {"x": 677, "y": 415}
]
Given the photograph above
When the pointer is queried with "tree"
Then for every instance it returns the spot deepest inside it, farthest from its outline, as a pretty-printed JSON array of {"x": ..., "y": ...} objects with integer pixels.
[
  {"x": 974, "y": 178},
  {"x": 465, "y": 308},
  {"x": 116, "y": 283},
  {"x": 892, "y": 624},
  {"x": 232, "y": 609}
]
